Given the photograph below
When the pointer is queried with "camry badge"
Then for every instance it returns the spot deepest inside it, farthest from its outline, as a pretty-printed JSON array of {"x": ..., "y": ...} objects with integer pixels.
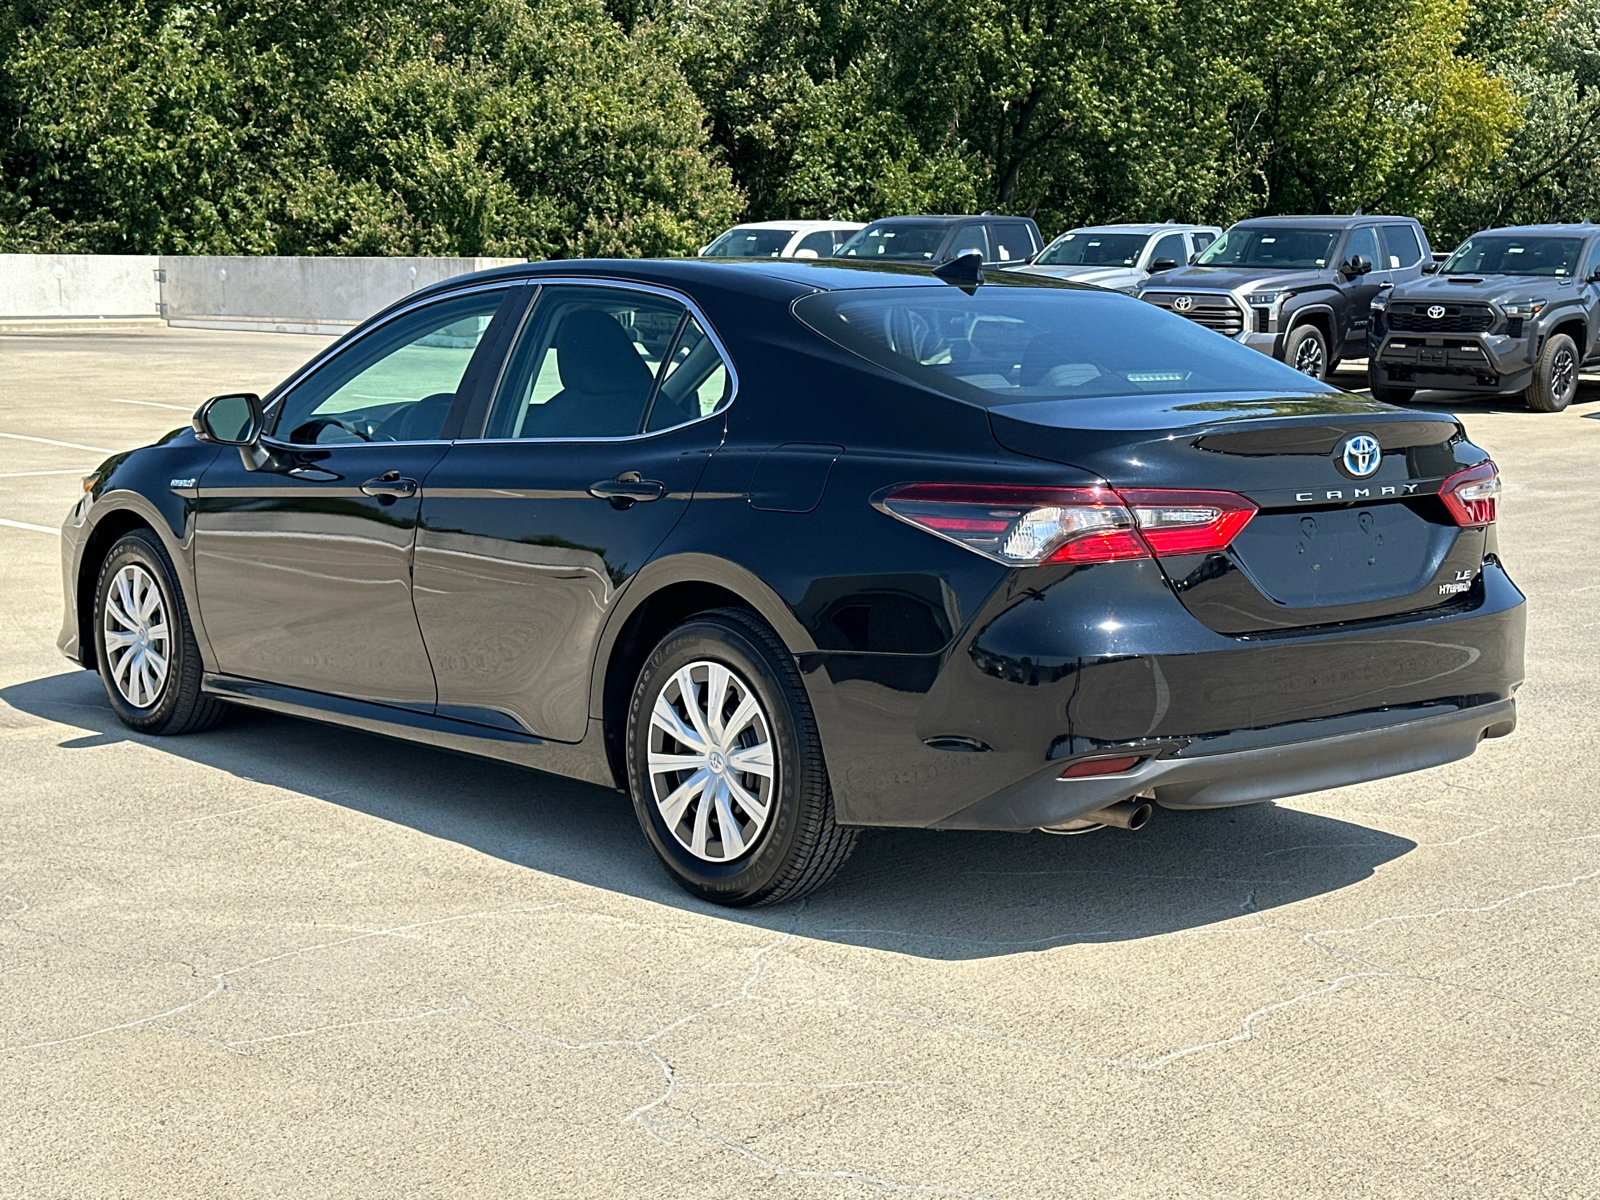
[
  {"x": 1359, "y": 455},
  {"x": 1436, "y": 311},
  {"x": 1182, "y": 303}
]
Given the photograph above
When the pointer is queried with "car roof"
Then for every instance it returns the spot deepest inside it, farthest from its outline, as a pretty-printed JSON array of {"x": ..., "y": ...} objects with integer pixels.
[
  {"x": 947, "y": 218},
  {"x": 1135, "y": 227},
  {"x": 1568, "y": 229},
  {"x": 1315, "y": 222},
  {"x": 796, "y": 225}
]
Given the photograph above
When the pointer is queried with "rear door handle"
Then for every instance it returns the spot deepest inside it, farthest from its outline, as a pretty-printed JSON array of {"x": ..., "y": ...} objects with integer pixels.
[
  {"x": 390, "y": 483},
  {"x": 628, "y": 489}
]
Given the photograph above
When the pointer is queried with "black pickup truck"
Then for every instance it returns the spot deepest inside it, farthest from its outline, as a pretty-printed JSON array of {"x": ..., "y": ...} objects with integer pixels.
[
  {"x": 1297, "y": 288},
  {"x": 1512, "y": 312}
]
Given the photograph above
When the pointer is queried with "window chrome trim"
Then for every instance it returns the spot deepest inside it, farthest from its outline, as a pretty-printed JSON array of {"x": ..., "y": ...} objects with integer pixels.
[
  {"x": 278, "y": 394},
  {"x": 625, "y": 285}
]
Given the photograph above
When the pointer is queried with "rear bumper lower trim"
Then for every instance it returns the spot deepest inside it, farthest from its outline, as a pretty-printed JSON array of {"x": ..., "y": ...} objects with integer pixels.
[{"x": 1246, "y": 776}]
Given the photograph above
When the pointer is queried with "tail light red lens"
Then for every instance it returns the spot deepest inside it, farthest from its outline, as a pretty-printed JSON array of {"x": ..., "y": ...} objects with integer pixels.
[
  {"x": 1100, "y": 766},
  {"x": 1027, "y": 526},
  {"x": 1188, "y": 522},
  {"x": 1471, "y": 495}
]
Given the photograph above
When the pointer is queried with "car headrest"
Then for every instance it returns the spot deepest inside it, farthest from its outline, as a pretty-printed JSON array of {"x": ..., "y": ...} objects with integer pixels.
[{"x": 595, "y": 356}]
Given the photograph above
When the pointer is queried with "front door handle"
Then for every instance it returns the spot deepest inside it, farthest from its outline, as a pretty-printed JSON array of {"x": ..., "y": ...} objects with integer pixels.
[
  {"x": 628, "y": 489},
  {"x": 390, "y": 484}
]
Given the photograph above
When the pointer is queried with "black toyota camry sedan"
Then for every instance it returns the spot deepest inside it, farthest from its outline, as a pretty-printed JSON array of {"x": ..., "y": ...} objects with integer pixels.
[{"x": 786, "y": 549}]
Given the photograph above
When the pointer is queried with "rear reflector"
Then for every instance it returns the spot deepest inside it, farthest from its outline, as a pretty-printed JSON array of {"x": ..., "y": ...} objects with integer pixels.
[
  {"x": 1027, "y": 526},
  {"x": 1100, "y": 766},
  {"x": 1471, "y": 495}
]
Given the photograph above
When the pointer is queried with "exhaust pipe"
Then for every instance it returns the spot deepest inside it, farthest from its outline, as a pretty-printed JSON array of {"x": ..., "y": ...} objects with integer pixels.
[{"x": 1125, "y": 814}]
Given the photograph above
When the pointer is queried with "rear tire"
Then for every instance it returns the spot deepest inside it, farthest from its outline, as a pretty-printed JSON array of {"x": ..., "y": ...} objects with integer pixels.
[
  {"x": 1306, "y": 350},
  {"x": 1384, "y": 392},
  {"x": 721, "y": 692},
  {"x": 1555, "y": 376},
  {"x": 144, "y": 644}
]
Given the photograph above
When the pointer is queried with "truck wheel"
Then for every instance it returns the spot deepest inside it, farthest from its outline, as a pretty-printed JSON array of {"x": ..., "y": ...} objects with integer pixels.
[
  {"x": 1384, "y": 392},
  {"x": 1307, "y": 351},
  {"x": 1555, "y": 376},
  {"x": 144, "y": 644},
  {"x": 725, "y": 766}
]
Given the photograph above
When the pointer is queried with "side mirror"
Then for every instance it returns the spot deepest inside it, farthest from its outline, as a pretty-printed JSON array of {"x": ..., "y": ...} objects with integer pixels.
[
  {"x": 1357, "y": 267},
  {"x": 1431, "y": 268},
  {"x": 232, "y": 420},
  {"x": 1163, "y": 264},
  {"x": 1195, "y": 257},
  {"x": 969, "y": 250}
]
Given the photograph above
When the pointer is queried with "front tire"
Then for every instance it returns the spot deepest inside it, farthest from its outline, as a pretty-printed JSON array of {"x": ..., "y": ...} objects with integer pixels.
[
  {"x": 1306, "y": 350},
  {"x": 1555, "y": 376},
  {"x": 725, "y": 765},
  {"x": 144, "y": 644}
]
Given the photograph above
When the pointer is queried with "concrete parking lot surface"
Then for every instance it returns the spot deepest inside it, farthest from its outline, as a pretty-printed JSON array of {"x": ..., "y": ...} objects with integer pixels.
[{"x": 281, "y": 959}]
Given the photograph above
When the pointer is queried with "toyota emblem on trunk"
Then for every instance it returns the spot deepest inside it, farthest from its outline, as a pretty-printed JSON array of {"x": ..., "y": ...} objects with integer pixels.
[
  {"x": 1359, "y": 455},
  {"x": 1436, "y": 311},
  {"x": 1183, "y": 303}
]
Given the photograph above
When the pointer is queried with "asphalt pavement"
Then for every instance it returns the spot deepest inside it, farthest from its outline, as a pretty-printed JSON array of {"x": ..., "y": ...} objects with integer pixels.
[{"x": 282, "y": 959}]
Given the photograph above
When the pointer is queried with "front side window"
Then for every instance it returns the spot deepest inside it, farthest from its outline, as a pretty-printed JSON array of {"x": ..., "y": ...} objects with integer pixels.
[
  {"x": 393, "y": 384},
  {"x": 1364, "y": 244},
  {"x": 750, "y": 243},
  {"x": 1591, "y": 264},
  {"x": 1081, "y": 249},
  {"x": 1400, "y": 246},
  {"x": 971, "y": 237},
  {"x": 819, "y": 245},
  {"x": 1015, "y": 344},
  {"x": 1277, "y": 247},
  {"x": 895, "y": 243},
  {"x": 590, "y": 361},
  {"x": 1202, "y": 238},
  {"x": 1503, "y": 254},
  {"x": 1170, "y": 248}
]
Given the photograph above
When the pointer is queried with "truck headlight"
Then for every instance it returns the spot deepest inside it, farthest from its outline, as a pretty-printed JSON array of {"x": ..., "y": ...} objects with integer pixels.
[
  {"x": 1268, "y": 299},
  {"x": 1524, "y": 310}
]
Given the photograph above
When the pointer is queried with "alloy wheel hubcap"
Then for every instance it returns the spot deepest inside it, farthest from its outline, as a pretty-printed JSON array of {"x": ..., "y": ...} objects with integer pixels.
[
  {"x": 138, "y": 641},
  {"x": 1308, "y": 358},
  {"x": 1563, "y": 374},
  {"x": 713, "y": 768}
]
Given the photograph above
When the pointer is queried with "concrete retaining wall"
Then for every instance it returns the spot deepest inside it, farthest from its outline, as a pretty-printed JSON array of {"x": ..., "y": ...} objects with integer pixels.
[{"x": 41, "y": 292}]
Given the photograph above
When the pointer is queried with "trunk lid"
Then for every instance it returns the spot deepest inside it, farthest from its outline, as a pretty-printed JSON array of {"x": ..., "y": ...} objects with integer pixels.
[{"x": 1325, "y": 547}]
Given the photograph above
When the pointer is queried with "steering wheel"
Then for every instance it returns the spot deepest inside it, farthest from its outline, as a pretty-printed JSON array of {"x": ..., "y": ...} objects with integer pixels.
[{"x": 307, "y": 434}]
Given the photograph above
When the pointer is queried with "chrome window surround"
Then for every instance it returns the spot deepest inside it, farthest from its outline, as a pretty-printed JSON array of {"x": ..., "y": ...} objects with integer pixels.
[{"x": 625, "y": 285}]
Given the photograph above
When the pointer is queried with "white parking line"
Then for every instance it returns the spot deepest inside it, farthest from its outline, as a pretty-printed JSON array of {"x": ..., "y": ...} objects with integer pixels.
[
  {"x": 30, "y": 528},
  {"x": 152, "y": 404},
  {"x": 22, "y": 437}
]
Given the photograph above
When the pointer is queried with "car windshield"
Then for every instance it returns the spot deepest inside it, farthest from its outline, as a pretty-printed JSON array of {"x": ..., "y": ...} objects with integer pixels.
[
  {"x": 750, "y": 243},
  {"x": 1503, "y": 255},
  {"x": 895, "y": 243},
  {"x": 1085, "y": 249},
  {"x": 1008, "y": 345},
  {"x": 1274, "y": 247}
]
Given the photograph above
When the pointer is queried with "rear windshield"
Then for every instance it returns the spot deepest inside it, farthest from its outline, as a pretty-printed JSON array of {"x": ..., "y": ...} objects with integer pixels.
[
  {"x": 895, "y": 243},
  {"x": 1276, "y": 247},
  {"x": 1079, "y": 249},
  {"x": 1501, "y": 255},
  {"x": 750, "y": 243},
  {"x": 1007, "y": 345}
]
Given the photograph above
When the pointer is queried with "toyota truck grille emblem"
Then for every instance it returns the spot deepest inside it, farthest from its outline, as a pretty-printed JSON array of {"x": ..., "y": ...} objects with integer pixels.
[
  {"x": 1436, "y": 311},
  {"x": 1360, "y": 455},
  {"x": 1182, "y": 303}
]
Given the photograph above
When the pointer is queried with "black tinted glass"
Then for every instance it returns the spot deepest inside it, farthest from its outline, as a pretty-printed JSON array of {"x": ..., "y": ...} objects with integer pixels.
[
  {"x": 1275, "y": 247},
  {"x": 895, "y": 243},
  {"x": 1005, "y": 345},
  {"x": 1500, "y": 254},
  {"x": 1077, "y": 249},
  {"x": 1400, "y": 246},
  {"x": 750, "y": 243}
]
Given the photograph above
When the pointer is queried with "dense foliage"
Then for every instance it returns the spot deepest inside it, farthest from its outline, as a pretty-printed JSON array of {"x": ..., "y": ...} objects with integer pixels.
[{"x": 566, "y": 127}]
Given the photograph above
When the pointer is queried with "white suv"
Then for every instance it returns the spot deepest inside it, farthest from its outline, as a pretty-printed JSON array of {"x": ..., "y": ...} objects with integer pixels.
[
  {"x": 782, "y": 239},
  {"x": 1120, "y": 257}
]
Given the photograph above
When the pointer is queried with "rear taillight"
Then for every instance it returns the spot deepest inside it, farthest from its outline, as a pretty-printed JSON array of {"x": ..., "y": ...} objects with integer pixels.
[
  {"x": 1027, "y": 526},
  {"x": 1470, "y": 495}
]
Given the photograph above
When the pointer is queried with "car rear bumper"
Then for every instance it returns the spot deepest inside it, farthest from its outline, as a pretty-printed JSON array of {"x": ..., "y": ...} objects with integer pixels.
[{"x": 1270, "y": 772}]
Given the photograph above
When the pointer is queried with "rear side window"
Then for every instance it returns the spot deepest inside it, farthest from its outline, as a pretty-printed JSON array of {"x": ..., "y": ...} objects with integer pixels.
[
  {"x": 1011, "y": 344},
  {"x": 1010, "y": 241},
  {"x": 591, "y": 362},
  {"x": 1400, "y": 246}
]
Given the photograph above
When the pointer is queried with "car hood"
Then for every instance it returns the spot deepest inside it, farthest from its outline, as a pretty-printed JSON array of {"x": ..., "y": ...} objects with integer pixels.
[
  {"x": 1106, "y": 277},
  {"x": 1225, "y": 279},
  {"x": 1444, "y": 289}
]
